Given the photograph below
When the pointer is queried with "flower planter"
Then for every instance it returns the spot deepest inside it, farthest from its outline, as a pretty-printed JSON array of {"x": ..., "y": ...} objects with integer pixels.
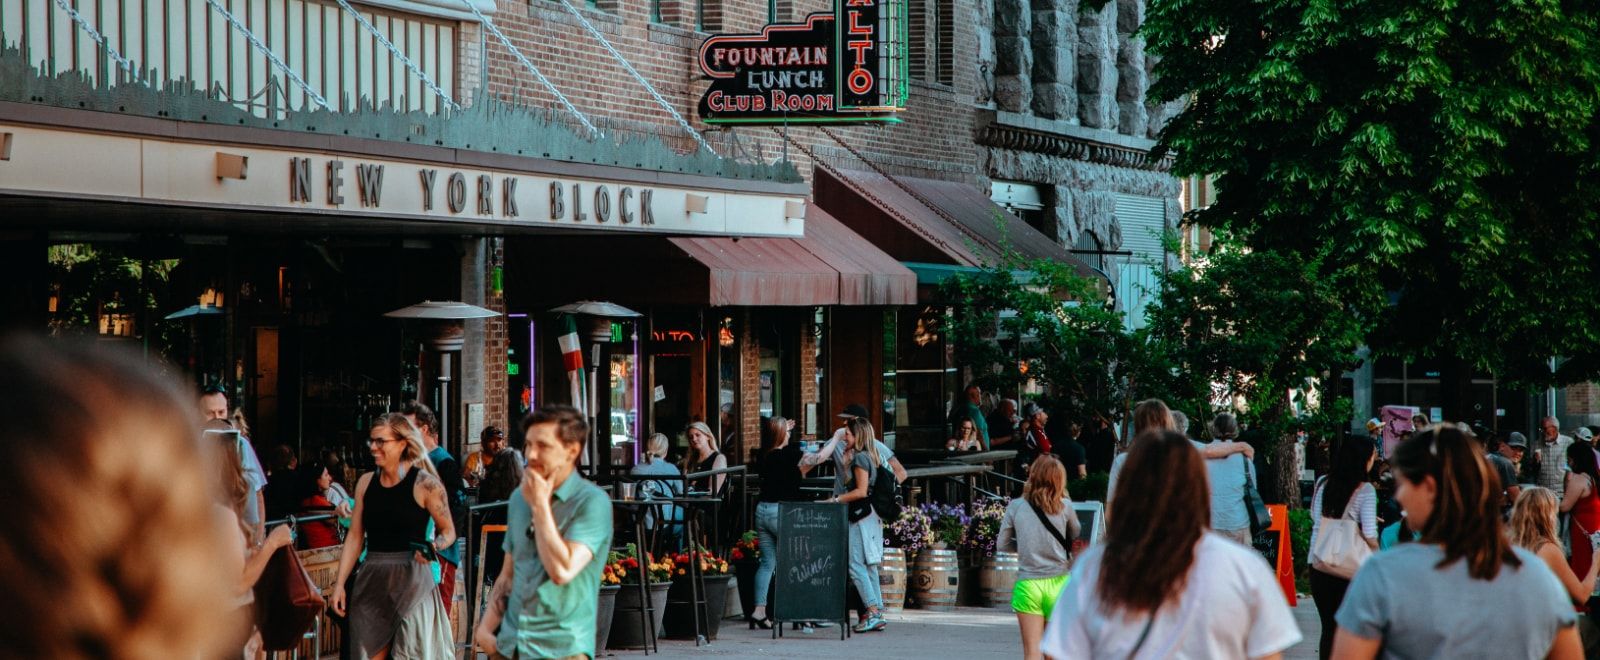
[
  {"x": 626, "y": 629},
  {"x": 745, "y": 572},
  {"x": 679, "y": 622},
  {"x": 936, "y": 580},
  {"x": 603, "y": 613},
  {"x": 997, "y": 576},
  {"x": 893, "y": 577}
]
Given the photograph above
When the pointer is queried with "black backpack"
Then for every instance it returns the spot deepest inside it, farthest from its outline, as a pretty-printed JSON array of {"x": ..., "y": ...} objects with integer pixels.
[{"x": 883, "y": 497}]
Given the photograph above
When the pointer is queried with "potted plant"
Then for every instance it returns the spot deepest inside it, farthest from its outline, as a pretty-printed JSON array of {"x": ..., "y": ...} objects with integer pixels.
[
  {"x": 903, "y": 538},
  {"x": 679, "y": 623},
  {"x": 746, "y": 558},
  {"x": 936, "y": 579},
  {"x": 994, "y": 573},
  {"x": 627, "y": 631}
]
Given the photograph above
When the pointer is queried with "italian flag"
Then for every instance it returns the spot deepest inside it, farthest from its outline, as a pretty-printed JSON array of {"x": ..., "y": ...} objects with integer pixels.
[{"x": 572, "y": 358}]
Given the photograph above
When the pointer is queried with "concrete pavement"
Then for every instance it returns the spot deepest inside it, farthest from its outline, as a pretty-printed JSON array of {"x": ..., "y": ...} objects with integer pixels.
[{"x": 966, "y": 633}]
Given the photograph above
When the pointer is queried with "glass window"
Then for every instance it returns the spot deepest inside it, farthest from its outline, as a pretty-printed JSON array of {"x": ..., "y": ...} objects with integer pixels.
[{"x": 624, "y": 388}]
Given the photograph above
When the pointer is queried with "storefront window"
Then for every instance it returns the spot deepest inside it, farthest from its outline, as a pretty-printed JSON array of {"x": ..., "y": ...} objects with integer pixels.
[
  {"x": 923, "y": 381},
  {"x": 624, "y": 394},
  {"x": 727, "y": 375}
]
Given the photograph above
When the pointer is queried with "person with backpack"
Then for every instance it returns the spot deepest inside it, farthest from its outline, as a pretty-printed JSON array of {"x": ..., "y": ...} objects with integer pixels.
[
  {"x": 1039, "y": 527},
  {"x": 866, "y": 527}
]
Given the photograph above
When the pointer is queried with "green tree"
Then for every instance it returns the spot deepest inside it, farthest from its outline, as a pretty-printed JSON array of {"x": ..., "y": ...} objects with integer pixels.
[
  {"x": 1264, "y": 334},
  {"x": 1439, "y": 153}
]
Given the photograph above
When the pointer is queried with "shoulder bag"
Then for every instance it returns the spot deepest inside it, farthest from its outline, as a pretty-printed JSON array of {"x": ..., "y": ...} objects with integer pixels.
[
  {"x": 288, "y": 602},
  {"x": 1263, "y": 540},
  {"x": 1051, "y": 527},
  {"x": 1340, "y": 549}
]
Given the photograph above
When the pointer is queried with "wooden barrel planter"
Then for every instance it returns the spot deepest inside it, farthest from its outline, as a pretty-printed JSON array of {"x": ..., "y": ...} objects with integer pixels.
[
  {"x": 997, "y": 576},
  {"x": 936, "y": 581},
  {"x": 893, "y": 578}
]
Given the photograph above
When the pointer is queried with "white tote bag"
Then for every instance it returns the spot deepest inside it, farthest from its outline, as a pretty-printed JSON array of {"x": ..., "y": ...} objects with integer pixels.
[{"x": 1340, "y": 549}]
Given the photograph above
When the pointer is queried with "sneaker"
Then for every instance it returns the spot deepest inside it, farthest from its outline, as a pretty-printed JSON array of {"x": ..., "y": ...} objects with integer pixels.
[
  {"x": 807, "y": 628},
  {"x": 876, "y": 624},
  {"x": 864, "y": 626}
]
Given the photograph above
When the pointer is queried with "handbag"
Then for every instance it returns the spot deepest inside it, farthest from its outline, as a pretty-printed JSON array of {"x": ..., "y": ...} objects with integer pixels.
[
  {"x": 287, "y": 601},
  {"x": 1339, "y": 550},
  {"x": 1263, "y": 540}
]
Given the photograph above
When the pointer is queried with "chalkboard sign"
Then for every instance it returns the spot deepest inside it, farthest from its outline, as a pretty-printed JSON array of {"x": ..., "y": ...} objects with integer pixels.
[{"x": 813, "y": 563}]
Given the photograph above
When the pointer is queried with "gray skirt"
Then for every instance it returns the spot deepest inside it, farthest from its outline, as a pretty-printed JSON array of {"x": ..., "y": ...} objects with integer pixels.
[{"x": 395, "y": 605}]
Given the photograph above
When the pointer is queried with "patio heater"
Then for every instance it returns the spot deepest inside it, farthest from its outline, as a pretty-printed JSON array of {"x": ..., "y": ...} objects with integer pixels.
[
  {"x": 600, "y": 316},
  {"x": 444, "y": 332}
]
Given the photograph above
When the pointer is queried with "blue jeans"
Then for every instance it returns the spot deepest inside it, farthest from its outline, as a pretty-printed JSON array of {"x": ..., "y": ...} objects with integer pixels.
[
  {"x": 866, "y": 554},
  {"x": 767, "y": 532}
]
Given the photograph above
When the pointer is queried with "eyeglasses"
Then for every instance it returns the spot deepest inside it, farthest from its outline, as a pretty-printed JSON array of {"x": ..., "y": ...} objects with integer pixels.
[{"x": 381, "y": 441}]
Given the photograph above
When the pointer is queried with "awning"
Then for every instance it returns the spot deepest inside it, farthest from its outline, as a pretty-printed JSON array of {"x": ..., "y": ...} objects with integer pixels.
[
  {"x": 829, "y": 266},
  {"x": 934, "y": 222}
]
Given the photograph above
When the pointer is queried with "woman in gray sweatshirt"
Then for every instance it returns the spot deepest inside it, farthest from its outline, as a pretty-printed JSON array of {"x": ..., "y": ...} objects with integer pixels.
[{"x": 1039, "y": 527}]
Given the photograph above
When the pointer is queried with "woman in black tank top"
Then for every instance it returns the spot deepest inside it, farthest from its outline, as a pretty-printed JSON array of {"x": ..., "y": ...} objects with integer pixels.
[{"x": 395, "y": 585}]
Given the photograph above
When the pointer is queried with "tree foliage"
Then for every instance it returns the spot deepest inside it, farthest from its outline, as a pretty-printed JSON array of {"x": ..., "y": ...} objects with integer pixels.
[{"x": 1440, "y": 153}]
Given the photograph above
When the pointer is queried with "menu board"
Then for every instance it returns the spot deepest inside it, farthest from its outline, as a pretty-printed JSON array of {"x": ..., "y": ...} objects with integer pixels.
[{"x": 813, "y": 562}]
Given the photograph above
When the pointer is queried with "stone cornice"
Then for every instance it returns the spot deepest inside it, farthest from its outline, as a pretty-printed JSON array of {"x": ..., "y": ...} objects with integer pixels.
[{"x": 1006, "y": 130}]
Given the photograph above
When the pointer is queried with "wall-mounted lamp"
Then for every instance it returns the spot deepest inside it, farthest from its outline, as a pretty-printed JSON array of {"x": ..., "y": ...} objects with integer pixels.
[
  {"x": 231, "y": 166},
  {"x": 693, "y": 203},
  {"x": 795, "y": 209}
]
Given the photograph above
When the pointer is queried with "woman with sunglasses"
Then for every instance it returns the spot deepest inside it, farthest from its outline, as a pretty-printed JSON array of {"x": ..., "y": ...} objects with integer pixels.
[
  {"x": 1425, "y": 599},
  {"x": 394, "y": 609}
]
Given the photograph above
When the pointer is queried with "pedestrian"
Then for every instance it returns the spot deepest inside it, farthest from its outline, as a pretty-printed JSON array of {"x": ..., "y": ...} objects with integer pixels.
[
  {"x": 1154, "y": 414},
  {"x": 490, "y": 442},
  {"x": 231, "y": 497},
  {"x": 1551, "y": 456},
  {"x": 866, "y": 528},
  {"x": 280, "y": 494},
  {"x": 546, "y": 600},
  {"x": 1533, "y": 528},
  {"x": 703, "y": 457},
  {"x": 1581, "y": 503},
  {"x": 1074, "y": 457},
  {"x": 1002, "y": 423},
  {"x": 781, "y": 474},
  {"x": 116, "y": 546},
  {"x": 1417, "y": 600},
  {"x": 1343, "y": 494},
  {"x": 1039, "y": 527},
  {"x": 1228, "y": 478},
  {"x": 214, "y": 406},
  {"x": 966, "y": 438},
  {"x": 1035, "y": 442},
  {"x": 1100, "y": 444},
  {"x": 1162, "y": 585},
  {"x": 1583, "y": 436},
  {"x": 837, "y": 446},
  {"x": 1180, "y": 423},
  {"x": 500, "y": 484},
  {"x": 971, "y": 409},
  {"x": 394, "y": 607},
  {"x": 449, "y": 472},
  {"x": 1507, "y": 459}
]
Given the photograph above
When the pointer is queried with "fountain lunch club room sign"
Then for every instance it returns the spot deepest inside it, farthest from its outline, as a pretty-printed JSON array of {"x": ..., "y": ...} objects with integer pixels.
[{"x": 847, "y": 66}]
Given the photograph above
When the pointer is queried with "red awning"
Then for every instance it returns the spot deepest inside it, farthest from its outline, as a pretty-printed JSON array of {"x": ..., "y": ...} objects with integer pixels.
[
  {"x": 831, "y": 265},
  {"x": 931, "y": 221}
]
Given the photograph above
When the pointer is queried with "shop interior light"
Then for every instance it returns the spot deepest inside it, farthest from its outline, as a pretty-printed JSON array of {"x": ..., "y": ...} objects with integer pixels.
[
  {"x": 693, "y": 203},
  {"x": 232, "y": 166}
]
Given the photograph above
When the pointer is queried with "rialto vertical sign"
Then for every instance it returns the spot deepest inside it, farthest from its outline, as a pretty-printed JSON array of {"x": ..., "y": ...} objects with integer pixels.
[{"x": 845, "y": 66}]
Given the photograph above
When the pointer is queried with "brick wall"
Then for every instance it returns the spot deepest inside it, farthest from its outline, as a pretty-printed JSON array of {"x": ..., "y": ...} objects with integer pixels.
[
  {"x": 496, "y": 342},
  {"x": 935, "y": 140},
  {"x": 808, "y": 374},
  {"x": 749, "y": 384}
]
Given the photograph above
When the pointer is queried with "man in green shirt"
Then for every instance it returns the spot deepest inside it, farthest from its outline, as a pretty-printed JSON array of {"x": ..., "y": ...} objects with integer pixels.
[
  {"x": 971, "y": 410},
  {"x": 544, "y": 602}
]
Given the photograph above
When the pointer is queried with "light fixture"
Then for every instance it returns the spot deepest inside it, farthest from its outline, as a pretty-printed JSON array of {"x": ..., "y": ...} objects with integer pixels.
[
  {"x": 232, "y": 166},
  {"x": 794, "y": 209},
  {"x": 693, "y": 203},
  {"x": 446, "y": 334}
]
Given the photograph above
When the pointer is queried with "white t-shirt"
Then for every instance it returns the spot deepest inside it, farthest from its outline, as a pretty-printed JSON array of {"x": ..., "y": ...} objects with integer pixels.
[{"x": 1231, "y": 607}]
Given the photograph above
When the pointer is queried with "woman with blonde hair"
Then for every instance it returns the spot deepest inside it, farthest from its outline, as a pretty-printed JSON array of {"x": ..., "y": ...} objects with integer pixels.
[
  {"x": 232, "y": 493},
  {"x": 702, "y": 457},
  {"x": 866, "y": 528},
  {"x": 1533, "y": 528},
  {"x": 1163, "y": 585},
  {"x": 659, "y": 478},
  {"x": 394, "y": 609},
  {"x": 130, "y": 557},
  {"x": 1039, "y": 527}
]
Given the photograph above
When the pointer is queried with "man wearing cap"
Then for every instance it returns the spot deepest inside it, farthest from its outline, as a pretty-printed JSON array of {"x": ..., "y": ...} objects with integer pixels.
[
  {"x": 835, "y": 447},
  {"x": 1505, "y": 461},
  {"x": 1375, "y": 431},
  {"x": 1552, "y": 457}
]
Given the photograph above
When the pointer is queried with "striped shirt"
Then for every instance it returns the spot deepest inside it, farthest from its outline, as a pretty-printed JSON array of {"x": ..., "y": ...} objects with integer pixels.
[{"x": 1362, "y": 507}]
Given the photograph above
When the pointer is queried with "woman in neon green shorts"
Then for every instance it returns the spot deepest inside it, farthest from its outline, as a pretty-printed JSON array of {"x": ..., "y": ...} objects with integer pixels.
[{"x": 1039, "y": 527}]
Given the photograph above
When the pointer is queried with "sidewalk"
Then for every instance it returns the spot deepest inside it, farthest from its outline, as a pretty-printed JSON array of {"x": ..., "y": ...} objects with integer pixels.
[{"x": 967, "y": 633}]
